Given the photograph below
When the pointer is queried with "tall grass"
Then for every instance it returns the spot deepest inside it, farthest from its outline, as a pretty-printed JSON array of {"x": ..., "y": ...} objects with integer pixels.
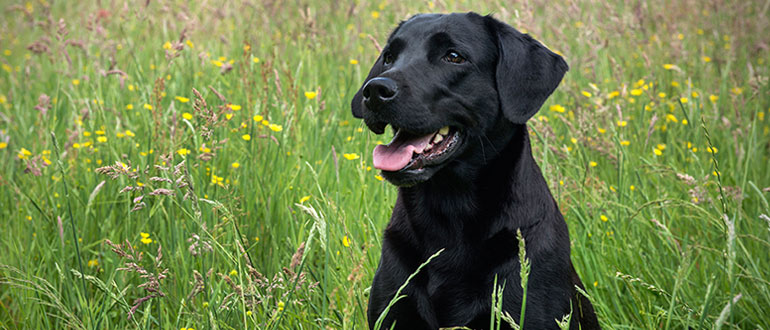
[{"x": 259, "y": 187}]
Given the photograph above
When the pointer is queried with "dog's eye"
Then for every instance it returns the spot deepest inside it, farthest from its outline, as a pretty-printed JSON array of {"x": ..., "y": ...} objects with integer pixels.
[
  {"x": 454, "y": 57},
  {"x": 387, "y": 58}
]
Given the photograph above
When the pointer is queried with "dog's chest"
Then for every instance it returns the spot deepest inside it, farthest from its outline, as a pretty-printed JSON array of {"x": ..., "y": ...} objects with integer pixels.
[{"x": 460, "y": 292}]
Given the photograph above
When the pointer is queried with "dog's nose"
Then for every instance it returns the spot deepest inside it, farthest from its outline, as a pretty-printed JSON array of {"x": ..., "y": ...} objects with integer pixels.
[{"x": 379, "y": 91}]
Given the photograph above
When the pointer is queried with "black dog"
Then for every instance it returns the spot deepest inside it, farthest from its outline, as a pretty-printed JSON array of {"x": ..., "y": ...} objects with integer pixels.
[{"x": 458, "y": 90}]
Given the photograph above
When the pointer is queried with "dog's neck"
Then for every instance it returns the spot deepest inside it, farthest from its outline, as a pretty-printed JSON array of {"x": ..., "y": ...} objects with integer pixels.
[{"x": 468, "y": 198}]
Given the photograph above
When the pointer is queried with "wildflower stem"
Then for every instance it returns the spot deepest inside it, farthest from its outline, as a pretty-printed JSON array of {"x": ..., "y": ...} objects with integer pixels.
[
  {"x": 524, "y": 268},
  {"x": 716, "y": 164},
  {"x": 72, "y": 221}
]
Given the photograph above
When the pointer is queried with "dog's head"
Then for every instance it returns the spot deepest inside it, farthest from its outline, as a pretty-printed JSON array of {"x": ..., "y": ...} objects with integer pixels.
[{"x": 447, "y": 85}]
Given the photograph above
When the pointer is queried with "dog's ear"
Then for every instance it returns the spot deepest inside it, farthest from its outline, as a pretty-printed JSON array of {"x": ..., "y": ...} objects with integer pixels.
[{"x": 527, "y": 72}]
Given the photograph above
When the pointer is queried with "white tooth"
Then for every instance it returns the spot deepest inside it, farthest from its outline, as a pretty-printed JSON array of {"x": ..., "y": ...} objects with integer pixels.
[
  {"x": 444, "y": 130},
  {"x": 438, "y": 138},
  {"x": 430, "y": 146}
]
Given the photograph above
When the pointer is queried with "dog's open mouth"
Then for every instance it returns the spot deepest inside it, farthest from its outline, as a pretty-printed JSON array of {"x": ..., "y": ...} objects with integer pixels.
[{"x": 409, "y": 151}]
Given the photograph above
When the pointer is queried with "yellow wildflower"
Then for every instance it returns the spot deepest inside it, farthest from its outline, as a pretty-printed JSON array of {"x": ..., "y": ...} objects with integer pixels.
[
  {"x": 276, "y": 128},
  {"x": 187, "y": 116},
  {"x": 351, "y": 156},
  {"x": 235, "y": 107},
  {"x": 182, "y": 99},
  {"x": 24, "y": 153},
  {"x": 557, "y": 108},
  {"x": 375, "y": 14},
  {"x": 311, "y": 95},
  {"x": 304, "y": 199},
  {"x": 235, "y": 165},
  {"x": 668, "y": 66},
  {"x": 183, "y": 152},
  {"x": 246, "y": 137},
  {"x": 713, "y": 98},
  {"x": 604, "y": 218},
  {"x": 622, "y": 123},
  {"x": 346, "y": 241},
  {"x": 592, "y": 164},
  {"x": 75, "y": 82},
  {"x": 353, "y": 62},
  {"x": 257, "y": 118},
  {"x": 93, "y": 263},
  {"x": 683, "y": 99},
  {"x": 613, "y": 94},
  {"x": 671, "y": 117},
  {"x": 148, "y": 106},
  {"x": 636, "y": 92},
  {"x": 129, "y": 106},
  {"x": 586, "y": 94},
  {"x": 625, "y": 143}
]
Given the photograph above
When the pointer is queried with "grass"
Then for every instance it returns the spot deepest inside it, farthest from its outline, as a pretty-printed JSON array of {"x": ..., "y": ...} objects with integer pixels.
[{"x": 259, "y": 208}]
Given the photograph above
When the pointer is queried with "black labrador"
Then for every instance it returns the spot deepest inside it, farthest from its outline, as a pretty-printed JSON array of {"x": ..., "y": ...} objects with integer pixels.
[{"x": 457, "y": 91}]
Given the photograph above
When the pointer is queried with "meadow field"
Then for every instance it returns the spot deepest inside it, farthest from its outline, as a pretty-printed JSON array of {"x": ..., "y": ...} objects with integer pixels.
[{"x": 195, "y": 165}]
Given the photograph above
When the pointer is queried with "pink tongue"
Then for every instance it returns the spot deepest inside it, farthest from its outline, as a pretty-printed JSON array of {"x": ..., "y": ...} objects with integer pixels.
[{"x": 398, "y": 153}]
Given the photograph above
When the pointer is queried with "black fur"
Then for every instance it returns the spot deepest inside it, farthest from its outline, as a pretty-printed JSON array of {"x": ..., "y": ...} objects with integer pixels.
[{"x": 472, "y": 203}]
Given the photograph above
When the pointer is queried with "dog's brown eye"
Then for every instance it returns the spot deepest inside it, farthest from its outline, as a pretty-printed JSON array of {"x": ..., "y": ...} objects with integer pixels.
[
  {"x": 387, "y": 58},
  {"x": 454, "y": 57}
]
